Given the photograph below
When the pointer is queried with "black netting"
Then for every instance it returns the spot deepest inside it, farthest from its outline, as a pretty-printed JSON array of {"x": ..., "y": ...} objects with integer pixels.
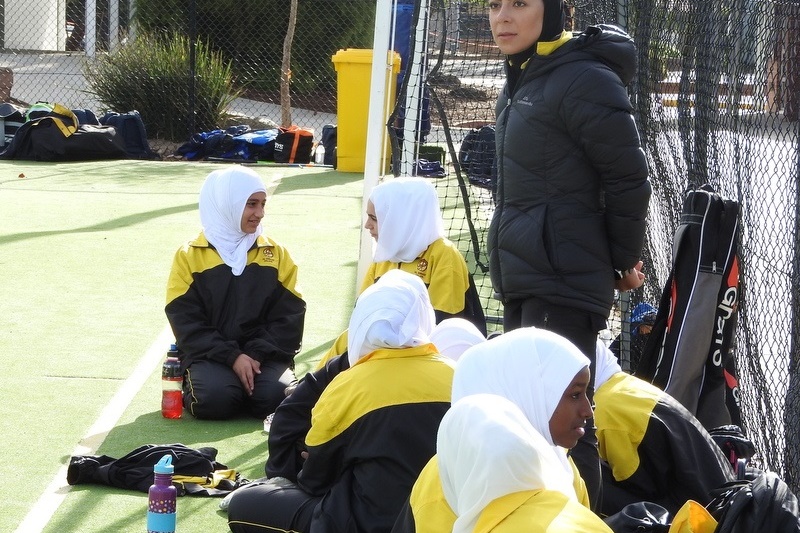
[{"x": 716, "y": 101}]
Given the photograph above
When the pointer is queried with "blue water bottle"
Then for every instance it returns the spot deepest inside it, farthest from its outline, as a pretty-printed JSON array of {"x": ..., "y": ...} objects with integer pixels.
[{"x": 162, "y": 498}]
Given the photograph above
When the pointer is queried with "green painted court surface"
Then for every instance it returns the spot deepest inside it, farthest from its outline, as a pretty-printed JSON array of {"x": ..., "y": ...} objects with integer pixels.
[{"x": 85, "y": 250}]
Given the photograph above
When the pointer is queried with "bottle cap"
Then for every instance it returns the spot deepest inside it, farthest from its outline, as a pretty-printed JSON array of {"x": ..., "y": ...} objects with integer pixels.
[{"x": 164, "y": 465}]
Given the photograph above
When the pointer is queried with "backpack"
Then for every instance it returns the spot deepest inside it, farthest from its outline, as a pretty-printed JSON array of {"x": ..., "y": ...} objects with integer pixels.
[
  {"x": 328, "y": 140},
  {"x": 293, "y": 145},
  {"x": 477, "y": 157},
  {"x": 688, "y": 354},
  {"x": 236, "y": 143},
  {"x": 214, "y": 144},
  {"x": 12, "y": 117},
  {"x": 86, "y": 116},
  {"x": 256, "y": 145},
  {"x": 761, "y": 502},
  {"x": 130, "y": 128}
]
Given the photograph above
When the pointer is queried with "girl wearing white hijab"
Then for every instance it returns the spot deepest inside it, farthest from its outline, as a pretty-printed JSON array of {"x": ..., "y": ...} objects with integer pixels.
[
  {"x": 535, "y": 369},
  {"x": 223, "y": 198},
  {"x": 407, "y": 212},
  {"x": 404, "y": 218},
  {"x": 453, "y": 336},
  {"x": 499, "y": 474},
  {"x": 546, "y": 377},
  {"x": 395, "y": 313},
  {"x": 373, "y": 427},
  {"x": 233, "y": 304}
]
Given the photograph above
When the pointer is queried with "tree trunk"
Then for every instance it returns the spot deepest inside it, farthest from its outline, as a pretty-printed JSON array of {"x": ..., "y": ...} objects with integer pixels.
[{"x": 286, "y": 70}]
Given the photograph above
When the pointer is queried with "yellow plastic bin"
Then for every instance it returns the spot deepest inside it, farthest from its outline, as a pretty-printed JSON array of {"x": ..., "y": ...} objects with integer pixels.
[{"x": 353, "y": 76}]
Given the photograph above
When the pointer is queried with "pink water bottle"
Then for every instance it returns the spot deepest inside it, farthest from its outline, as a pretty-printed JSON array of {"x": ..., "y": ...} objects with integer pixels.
[
  {"x": 162, "y": 498},
  {"x": 171, "y": 385}
]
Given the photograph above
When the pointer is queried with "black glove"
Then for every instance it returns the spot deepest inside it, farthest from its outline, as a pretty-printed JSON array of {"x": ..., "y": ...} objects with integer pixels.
[{"x": 732, "y": 440}]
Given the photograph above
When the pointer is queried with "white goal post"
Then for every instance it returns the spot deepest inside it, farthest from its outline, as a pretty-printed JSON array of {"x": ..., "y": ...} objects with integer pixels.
[{"x": 379, "y": 110}]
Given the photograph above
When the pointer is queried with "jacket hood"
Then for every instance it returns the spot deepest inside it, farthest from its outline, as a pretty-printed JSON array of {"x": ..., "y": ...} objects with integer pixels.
[{"x": 604, "y": 42}]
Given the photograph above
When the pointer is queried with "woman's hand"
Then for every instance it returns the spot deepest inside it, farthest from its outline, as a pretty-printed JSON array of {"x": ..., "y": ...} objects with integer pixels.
[
  {"x": 631, "y": 279},
  {"x": 246, "y": 368}
]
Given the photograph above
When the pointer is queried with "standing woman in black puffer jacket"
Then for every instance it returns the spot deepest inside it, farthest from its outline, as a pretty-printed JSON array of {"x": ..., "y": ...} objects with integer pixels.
[{"x": 573, "y": 193}]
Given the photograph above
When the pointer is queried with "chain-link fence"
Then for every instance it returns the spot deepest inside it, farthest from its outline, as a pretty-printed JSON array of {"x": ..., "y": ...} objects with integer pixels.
[
  {"x": 717, "y": 100},
  {"x": 166, "y": 58}
]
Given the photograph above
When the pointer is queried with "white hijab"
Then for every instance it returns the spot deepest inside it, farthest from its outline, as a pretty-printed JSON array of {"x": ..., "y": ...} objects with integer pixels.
[
  {"x": 395, "y": 312},
  {"x": 486, "y": 449},
  {"x": 452, "y": 337},
  {"x": 606, "y": 364},
  {"x": 409, "y": 219},
  {"x": 222, "y": 201},
  {"x": 531, "y": 367}
]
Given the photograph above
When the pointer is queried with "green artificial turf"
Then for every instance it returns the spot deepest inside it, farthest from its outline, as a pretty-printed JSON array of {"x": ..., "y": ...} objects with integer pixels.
[{"x": 85, "y": 250}]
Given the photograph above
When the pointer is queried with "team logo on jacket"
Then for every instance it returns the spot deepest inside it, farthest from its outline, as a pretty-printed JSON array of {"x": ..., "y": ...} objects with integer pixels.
[
  {"x": 422, "y": 266},
  {"x": 267, "y": 254}
]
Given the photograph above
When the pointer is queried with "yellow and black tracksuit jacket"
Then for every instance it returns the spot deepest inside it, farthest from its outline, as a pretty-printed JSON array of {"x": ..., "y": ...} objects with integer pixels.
[
  {"x": 217, "y": 316},
  {"x": 545, "y": 511},
  {"x": 444, "y": 271},
  {"x": 427, "y": 510},
  {"x": 372, "y": 431},
  {"x": 292, "y": 420},
  {"x": 655, "y": 449}
]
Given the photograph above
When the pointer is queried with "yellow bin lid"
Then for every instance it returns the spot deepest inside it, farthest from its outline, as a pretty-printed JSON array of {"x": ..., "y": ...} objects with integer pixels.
[{"x": 360, "y": 55}]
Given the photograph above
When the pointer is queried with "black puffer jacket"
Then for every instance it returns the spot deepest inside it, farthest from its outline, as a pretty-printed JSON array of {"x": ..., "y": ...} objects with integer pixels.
[{"x": 572, "y": 178}]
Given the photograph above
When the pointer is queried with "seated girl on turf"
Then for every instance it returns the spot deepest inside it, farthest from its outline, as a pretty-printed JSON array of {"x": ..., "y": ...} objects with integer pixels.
[
  {"x": 373, "y": 427},
  {"x": 654, "y": 449},
  {"x": 404, "y": 218},
  {"x": 292, "y": 419},
  {"x": 233, "y": 304}
]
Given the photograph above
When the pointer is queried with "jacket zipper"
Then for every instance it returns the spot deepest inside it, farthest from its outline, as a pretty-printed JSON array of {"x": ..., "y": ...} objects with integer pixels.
[{"x": 500, "y": 187}]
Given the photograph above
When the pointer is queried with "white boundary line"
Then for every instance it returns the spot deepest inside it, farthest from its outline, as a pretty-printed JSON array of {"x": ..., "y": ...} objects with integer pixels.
[{"x": 47, "y": 504}]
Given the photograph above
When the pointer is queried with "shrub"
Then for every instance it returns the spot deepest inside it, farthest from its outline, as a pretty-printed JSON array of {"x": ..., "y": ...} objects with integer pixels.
[
  {"x": 152, "y": 76},
  {"x": 250, "y": 34}
]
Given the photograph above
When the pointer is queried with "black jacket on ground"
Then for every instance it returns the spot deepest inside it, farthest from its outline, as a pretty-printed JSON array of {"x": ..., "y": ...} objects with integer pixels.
[
  {"x": 572, "y": 178},
  {"x": 134, "y": 470}
]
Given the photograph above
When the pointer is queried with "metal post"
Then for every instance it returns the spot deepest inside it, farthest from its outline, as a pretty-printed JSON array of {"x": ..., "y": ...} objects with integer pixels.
[{"x": 414, "y": 92}]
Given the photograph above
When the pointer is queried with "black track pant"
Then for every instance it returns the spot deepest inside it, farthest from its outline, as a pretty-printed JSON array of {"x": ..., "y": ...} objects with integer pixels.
[
  {"x": 581, "y": 328},
  {"x": 212, "y": 390},
  {"x": 271, "y": 506}
]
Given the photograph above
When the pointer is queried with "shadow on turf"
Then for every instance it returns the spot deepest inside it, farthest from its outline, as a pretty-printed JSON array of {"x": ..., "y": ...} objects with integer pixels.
[
  {"x": 323, "y": 179},
  {"x": 96, "y": 502},
  {"x": 152, "y": 428},
  {"x": 116, "y": 223}
]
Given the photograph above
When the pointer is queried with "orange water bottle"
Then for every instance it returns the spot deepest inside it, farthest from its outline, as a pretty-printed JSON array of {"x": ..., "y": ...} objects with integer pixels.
[{"x": 172, "y": 385}]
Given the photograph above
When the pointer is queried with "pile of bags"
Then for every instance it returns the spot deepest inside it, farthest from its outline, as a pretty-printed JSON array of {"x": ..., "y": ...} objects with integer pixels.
[
  {"x": 240, "y": 143},
  {"x": 52, "y": 132}
]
